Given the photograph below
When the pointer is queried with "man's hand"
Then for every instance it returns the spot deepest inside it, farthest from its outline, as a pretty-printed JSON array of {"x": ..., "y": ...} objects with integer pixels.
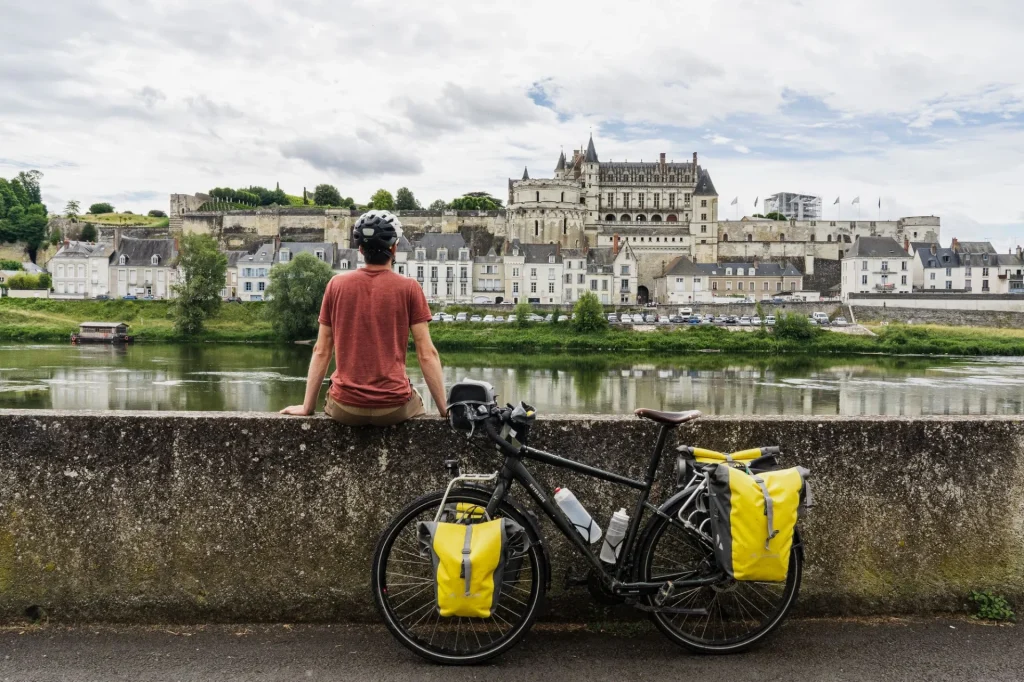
[{"x": 297, "y": 411}]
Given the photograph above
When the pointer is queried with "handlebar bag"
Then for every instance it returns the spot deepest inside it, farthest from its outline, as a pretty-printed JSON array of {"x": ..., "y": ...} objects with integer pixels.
[
  {"x": 753, "y": 517},
  {"x": 469, "y": 562}
]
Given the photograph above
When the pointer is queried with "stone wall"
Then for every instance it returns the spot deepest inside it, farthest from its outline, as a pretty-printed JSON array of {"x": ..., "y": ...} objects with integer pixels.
[
  {"x": 1003, "y": 303},
  {"x": 185, "y": 517},
  {"x": 954, "y": 318}
]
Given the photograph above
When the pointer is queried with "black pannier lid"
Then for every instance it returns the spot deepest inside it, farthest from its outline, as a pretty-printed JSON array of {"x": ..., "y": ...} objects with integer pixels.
[{"x": 464, "y": 401}]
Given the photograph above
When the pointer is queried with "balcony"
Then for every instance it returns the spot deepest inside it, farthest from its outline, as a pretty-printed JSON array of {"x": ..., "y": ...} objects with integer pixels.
[
  {"x": 884, "y": 287},
  {"x": 433, "y": 279}
]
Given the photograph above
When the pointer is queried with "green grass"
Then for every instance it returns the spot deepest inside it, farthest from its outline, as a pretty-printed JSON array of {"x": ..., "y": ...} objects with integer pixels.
[
  {"x": 53, "y": 320},
  {"x": 123, "y": 220}
]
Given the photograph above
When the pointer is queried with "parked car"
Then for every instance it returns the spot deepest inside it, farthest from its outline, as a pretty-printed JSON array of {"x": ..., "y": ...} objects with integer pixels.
[
  {"x": 840, "y": 322},
  {"x": 755, "y": 321},
  {"x": 820, "y": 318},
  {"x": 499, "y": 318},
  {"x": 649, "y": 318},
  {"x": 693, "y": 319},
  {"x": 550, "y": 317},
  {"x": 677, "y": 319},
  {"x": 476, "y": 318},
  {"x": 104, "y": 297},
  {"x": 744, "y": 321},
  {"x": 130, "y": 297},
  {"x": 511, "y": 318},
  {"x": 462, "y": 317},
  {"x": 769, "y": 321},
  {"x": 488, "y": 318},
  {"x": 614, "y": 319},
  {"x": 436, "y": 317},
  {"x": 536, "y": 318}
]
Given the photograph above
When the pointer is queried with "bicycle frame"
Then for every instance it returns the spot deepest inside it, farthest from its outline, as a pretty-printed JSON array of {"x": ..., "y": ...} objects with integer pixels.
[{"x": 513, "y": 470}]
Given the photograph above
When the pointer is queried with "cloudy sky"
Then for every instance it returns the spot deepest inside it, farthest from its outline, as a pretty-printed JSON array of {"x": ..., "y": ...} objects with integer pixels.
[{"x": 920, "y": 103}]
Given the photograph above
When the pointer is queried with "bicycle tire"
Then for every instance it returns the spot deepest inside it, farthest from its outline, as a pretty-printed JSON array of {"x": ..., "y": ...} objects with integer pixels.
[
  {"x": 404, "y": 523},
  {"x": 667, "y": 623}
]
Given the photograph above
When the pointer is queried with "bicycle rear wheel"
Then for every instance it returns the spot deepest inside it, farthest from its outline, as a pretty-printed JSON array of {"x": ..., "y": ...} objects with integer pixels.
[
  {"x": 738, "y": 613},
  {"x": 403, "y": 587}
]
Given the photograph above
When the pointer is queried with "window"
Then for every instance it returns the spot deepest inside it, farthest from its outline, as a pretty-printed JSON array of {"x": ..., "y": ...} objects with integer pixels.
[
  {"x": 984, "y": 272},
  {"x": 463, "y": 272},
  {"x": 536, "y": 228},
  {"x": 515, "y": 272},
  {"x": 433, "y": 289},
  {"x": 533, "y": 287},
  {"x": 765, "y": 286},
  {"x": 551, "y": 287},
  {"x": 568, "y": 279},
  {"x": 515, "y": 287},
  {"x": 565, "y": 226},
  {"x": 728, "y": 271},
  {"x": 261, "y": 286},
  {"x": 984, "y": 285},
  {"x": 625, "y": 270},
  {"x": 931, "y": 275},
  {"x": 285, "y": 255},
  {"x": 703, "y": 203},
  {"x": 538, "y": 196},
  {"x": 419, "y": 272},
  {"x": 551, "y": 271},
  {"x": 624, "y": 284},
  {"x": 885, "y": 265},
  {"x": 344, "y": 266},
  {"x": 657, "y": 200},
  {"x": 421, "y": 254},
  {"x": 149, "y": 276},
  {"x": 750, "y": 237},
  {"x": 123, "y": 260},
  {"x": 581, "y": 279},
  {"x": 248, "y": 286},
  {"x": 704, "y": 229},
  {"x": 714, "y": 286},
  {"x": 625, "y": 200},
  {"x": 450, "y": 273},
  {"x": 132, "y": 276},
  {"x": 533, "y": 272},
  {"x": 703, "y": 216},
  {"x": 792, "y": 286},
  {"x": 949, "y": 284},
  {"x": 829, "y": 238},
  {"x": 967, "y": 283},
  {"x": 863, "y": 265},
  {"x": 671, "y": 199},
  {"x": 433, "y": 272},
  {"x": 640, "y": 199},
  {"x": 462, "y": 288},
  {"x": 778, "y": 286},
  {"x": 562, "y": 197},
  {"x": 967, "y": 270},
  {"x": 593, "y": 285},
  {"x": 611, "y": 199},
  {"x": 903, "y": 266},
  {"x": 442, "y": 255},
  {"x": 686, "y": 197},
  {"x": 739, "y": 286},
  {"x": 604, "y": 285},
  {"x": 782, "y": 237},
  {"x": 728, "y": 286},
  {"x": 60, "y": 270},
  {"x": 863, "y": 279},
  {"x": 949, "y": 273}
]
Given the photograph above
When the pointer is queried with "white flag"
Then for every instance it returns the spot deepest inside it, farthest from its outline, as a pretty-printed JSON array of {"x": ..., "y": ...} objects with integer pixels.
[
  {"x": 836, "y": 201},
  {"x": 735, "y": 201},
  {"x": 856, "y": 200},
  {"x": 755, "y": 201}
]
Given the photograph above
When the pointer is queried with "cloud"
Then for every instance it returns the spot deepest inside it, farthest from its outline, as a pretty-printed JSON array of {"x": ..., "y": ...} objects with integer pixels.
[
  {"x": 459, "y": 108},
  {"x": 356, "y": 156},
  {"x": 204, "y": 107}
]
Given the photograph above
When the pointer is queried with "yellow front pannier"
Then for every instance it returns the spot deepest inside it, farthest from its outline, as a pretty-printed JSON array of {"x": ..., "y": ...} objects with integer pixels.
[
  {"x": 469, "y": 563},
  {"x": 753, "y": 518}
]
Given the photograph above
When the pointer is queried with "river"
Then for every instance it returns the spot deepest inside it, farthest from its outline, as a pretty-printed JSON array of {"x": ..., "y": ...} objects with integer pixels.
[{"x": 265, "y": 378}]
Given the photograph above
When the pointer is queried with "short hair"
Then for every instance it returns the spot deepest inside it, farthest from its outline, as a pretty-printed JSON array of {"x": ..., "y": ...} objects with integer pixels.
[{"x": 377, "y": 257}]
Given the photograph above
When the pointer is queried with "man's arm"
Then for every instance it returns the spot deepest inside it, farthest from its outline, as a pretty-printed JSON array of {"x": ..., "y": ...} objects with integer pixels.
[
  {"x": 430, "y": 364},
  {"x": 323, "y": 351}
]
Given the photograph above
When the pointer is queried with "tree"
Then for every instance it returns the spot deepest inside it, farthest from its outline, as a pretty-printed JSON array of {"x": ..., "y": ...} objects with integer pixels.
[
  {"x": 794, "y": 327},
  {"x": 155, "y": 213},
  {"x": 476, "y": 201},
  {"x": 10, "y": 265},
  {"x": 523, "y": 312},
  {"x": 382, "y": 201},
  {"x": 589, "y": 314},
  {"x": 55, "y": 236},
  {"x": 775, "y": 215},
  {"x": 405, "y": 200},
  {"x": 295, "y": 294},
  {"x": 30, "y": 180},
  {"x": 88, "y": 233},
  {"x": 202, "y": 268},
  {"x": 72, "y": 208},
  {"x": 327, "y": 195},
  {"x": 102, "y": 207},
  {"x": 438, "y": 205}
]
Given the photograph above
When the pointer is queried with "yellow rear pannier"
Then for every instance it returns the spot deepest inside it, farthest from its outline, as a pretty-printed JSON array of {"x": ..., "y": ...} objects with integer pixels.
[
  {"x": 753, "y": 517},
  {"x": 469, "y": 563}
]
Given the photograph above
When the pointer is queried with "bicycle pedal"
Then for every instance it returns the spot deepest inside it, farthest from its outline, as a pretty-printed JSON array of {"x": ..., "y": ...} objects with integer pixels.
[{"x": 664, "y": 594}]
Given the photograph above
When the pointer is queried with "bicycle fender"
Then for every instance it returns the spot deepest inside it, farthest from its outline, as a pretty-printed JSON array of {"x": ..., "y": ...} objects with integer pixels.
[{"x": 534, "y": 529}]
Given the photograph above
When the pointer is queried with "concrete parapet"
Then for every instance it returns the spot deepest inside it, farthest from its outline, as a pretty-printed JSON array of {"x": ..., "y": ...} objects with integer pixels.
[{"x": 184, "y": 517}]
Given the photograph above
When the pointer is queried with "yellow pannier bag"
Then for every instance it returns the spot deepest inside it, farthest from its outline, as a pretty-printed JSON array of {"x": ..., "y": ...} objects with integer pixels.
[
  {"x": 468, "y": 562},
  {"x": 753, "y": 518}
]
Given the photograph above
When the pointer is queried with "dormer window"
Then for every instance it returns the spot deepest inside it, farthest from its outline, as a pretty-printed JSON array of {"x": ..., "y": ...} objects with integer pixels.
[
  {"x": 286, "y": 255},
  {"x": 421, "y": 254},
  {"x": 442, "y": 255},
  {"x": 123, "y": 260},
  {"x": 319, "y": 254},
  {"x": 344, "y": 265},
  {"x": 155, "y": 260},
  {"x": 728, "y": 271},
  {"x": 463, "y": 254},
  {"x": 551, "y": 259}
]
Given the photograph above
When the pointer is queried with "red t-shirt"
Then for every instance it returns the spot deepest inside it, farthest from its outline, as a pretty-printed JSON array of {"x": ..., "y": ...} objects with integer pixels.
[{"x": 370, "y": 313}]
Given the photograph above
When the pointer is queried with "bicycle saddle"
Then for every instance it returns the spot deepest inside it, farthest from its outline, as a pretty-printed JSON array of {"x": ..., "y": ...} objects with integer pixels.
[{"x": 667, "y": 417}]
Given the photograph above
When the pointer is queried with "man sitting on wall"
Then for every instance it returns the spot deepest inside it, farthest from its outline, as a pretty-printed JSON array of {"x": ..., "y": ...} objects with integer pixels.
[{"x": 364, "y": 323}]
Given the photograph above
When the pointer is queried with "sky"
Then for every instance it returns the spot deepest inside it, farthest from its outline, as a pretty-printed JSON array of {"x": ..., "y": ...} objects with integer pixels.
[{"x": 919, "y": 104}]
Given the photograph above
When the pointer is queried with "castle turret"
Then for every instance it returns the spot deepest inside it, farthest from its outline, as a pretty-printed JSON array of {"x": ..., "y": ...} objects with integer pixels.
[{"x": 704, "y": 225}]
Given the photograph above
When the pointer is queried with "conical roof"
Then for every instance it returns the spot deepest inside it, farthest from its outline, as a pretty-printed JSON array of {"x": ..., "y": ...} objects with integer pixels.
[
  {"x": 561, "y": 162},
  {"x": 704, "y": 186},
  {"x": 526, "y": 174},
  {"x": 591, "y": 156}
]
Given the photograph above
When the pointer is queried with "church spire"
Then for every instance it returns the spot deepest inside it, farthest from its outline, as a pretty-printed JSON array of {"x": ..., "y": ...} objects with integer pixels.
[{"x": 526, "y": 174}]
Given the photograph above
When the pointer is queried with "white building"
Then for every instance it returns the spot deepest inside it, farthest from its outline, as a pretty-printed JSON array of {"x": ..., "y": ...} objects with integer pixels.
[
  {"x": 230, "y": 290},
  {"x": 441, "y": 264},
  {"x": 143, "y": 267},
  {"x": 876, "y": 265},
  {"x": 81, "y": 270},
  {"x": 488, "y": 278},
  {"x": 254, "y": 273},
  {"x": 533, "y": 273}
]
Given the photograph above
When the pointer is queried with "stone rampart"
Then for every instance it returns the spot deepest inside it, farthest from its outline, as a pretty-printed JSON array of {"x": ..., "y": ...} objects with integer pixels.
[
  {"x": 184, "y": 517},
  {"x": 942, "y": 316}
]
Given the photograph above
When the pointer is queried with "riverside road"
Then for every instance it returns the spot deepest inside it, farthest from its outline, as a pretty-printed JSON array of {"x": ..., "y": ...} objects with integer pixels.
[{"x": 875, "y": 649}]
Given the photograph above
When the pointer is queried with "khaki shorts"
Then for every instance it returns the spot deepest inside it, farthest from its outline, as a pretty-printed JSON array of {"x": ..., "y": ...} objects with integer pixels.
[{"x": 375, "y": 416}]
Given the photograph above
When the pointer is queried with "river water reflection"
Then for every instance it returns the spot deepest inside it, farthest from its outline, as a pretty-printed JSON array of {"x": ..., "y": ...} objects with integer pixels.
[{"x": 265, "y": 378}]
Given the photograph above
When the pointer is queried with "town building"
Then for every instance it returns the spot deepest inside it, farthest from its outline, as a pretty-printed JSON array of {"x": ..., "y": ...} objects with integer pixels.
[
  {"x": 488, "y": 278},
  {"x": 230, "y": 290},
  {"x": 876, "y": 265},
  {"x": 687, "y": 282},
  {"x": 324, "y": 251},
  {"x": 533, "y": 273},
  {"x": 254, "y": 273},
  {"x": 143, "y": 267},
  {"x": 972, "y": 267},
  {"x": 441, "y": 264},
  {"x": 81, "y": 270}
]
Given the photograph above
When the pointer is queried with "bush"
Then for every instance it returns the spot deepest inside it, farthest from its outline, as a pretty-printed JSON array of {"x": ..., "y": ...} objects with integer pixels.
[
  {"x": 156, "y": 214},
  {"x": 10, "y": 265},
  {"x": 25, "y": 281},
  {"x": 589, "y": 314},
  {"x": 992, "y": 607},
  {"x": 523, "y": 312},
  {"x": 88, "y": 233},
  {"x": 794, "y": 327},
  {"x": 127, "y": 212},
  {"x": 102, "y": 207},
  {"x": 295, "y": 294}
]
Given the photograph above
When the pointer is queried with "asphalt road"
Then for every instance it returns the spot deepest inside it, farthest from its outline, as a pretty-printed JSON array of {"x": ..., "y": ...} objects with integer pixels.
[{"x": 803, "y": 650}]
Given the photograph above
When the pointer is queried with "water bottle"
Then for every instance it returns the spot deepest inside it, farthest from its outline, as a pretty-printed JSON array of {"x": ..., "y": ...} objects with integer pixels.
[
  {"x": 613, "y": 538},
  {"x": 579, "y": 516}
]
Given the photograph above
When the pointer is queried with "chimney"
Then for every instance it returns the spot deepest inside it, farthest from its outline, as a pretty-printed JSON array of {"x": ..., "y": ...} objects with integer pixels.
[
  {"x": 956, "y": 245},
  {"x": 757, "y": 262},
  {"x": 67, "y": 242},
  {"x": 176, "y": 249},
  {"x": 1019, "y": 251},
  {"x": 615, "y": 244},
  {"x": 663, "y": 159},
  {"x": 933, "y": 249},
  {"x": 558, "y": 250},
  {"x": 277, "y": 243},
  {"x": 695, "y": 166},
  {"x": 906, "y": 244},
  {"x": 117, "y": 239}
]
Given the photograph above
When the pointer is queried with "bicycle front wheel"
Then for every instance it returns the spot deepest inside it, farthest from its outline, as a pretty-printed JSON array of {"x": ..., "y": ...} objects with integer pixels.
[
  {"x": 403, "y": 586},
  {"x": 733, "y": 615}
]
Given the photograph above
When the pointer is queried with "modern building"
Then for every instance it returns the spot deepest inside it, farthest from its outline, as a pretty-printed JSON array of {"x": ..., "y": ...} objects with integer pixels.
[
  {"x": 81, "y": 270},
  {"x": 875, "y": 265},
  {"x": 794, "y": 206},
  {"x": 143, "y": 267}
]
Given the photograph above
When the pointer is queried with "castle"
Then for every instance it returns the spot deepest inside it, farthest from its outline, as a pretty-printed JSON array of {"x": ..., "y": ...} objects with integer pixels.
[{"x": 661, "y": 209}]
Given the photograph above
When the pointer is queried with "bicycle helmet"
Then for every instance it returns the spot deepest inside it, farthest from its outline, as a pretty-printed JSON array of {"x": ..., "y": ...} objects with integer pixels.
[{"x": 377, "y": 231}]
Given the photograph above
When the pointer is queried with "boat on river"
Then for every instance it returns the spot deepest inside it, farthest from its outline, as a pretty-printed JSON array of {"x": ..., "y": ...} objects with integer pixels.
[{"x": 102, "y": 332}]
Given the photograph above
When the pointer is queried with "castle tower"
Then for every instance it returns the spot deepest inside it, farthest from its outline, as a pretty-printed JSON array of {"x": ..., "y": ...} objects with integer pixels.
[{"x": 704, "y": 225}]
